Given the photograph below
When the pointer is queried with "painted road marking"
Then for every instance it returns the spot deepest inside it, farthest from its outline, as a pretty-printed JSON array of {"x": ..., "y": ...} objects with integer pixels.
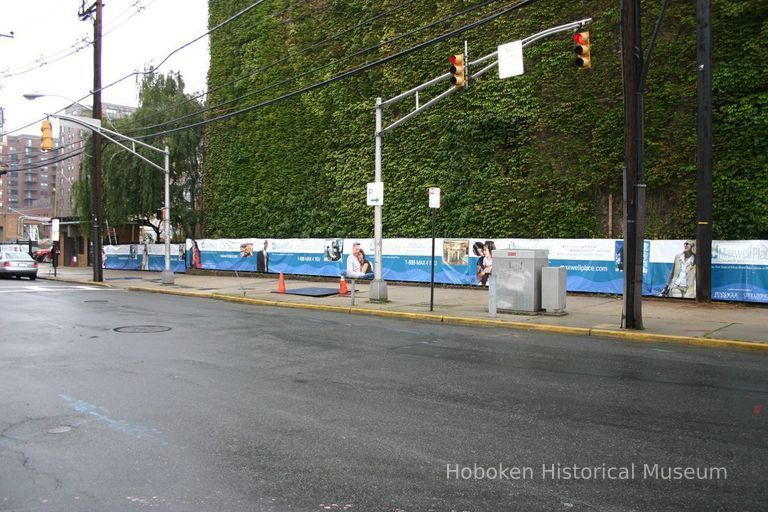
[
  {"x": 138, "y": 431},
  {"x": 31, "y": 288}
]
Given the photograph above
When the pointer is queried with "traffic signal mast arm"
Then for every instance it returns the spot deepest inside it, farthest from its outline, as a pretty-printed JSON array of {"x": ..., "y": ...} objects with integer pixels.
[
  {"x": 475, "y": 74},
  {"x": 529, "y": 40}
]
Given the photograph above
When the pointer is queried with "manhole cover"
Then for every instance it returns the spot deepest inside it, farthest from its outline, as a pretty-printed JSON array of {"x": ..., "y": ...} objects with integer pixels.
[
  {"x": 142, "y": 329},
  {"x": 59, "y": 430}
]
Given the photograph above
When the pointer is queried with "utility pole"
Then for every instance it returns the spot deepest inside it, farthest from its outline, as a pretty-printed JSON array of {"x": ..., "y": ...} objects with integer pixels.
[
  {"x": 634, "y": 186},
  {"x": 94, "y": 12},
  {"x": 704, "y": 153}
]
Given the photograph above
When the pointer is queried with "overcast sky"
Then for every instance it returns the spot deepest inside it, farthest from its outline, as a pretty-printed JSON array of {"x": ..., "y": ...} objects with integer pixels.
[{"x": 136, "y": 34}]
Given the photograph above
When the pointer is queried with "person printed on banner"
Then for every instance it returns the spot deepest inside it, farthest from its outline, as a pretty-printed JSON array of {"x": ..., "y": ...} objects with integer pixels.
[
  {"x": 681, "y": 282},
  {"x": 478, "y": 248},
  {"x": 354, "y": 268},
  {"x": 366, "y": 268},
  {"x": 484, "y": 270},
  {"x": 262, "y": 259},
  {"x": 195, "y": 255},
  {"x": 145, "y": 257}
]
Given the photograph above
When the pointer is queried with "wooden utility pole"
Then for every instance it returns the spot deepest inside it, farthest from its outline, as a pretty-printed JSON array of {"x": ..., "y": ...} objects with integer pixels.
[
  {"x": 704, "y": 153},
  {"x": 634, "y": 186},
  {"x": 95, "y": 12}
]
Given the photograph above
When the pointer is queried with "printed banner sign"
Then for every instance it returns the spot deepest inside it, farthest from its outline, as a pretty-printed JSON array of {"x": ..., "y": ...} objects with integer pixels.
[{"x": 739, "y": 268}]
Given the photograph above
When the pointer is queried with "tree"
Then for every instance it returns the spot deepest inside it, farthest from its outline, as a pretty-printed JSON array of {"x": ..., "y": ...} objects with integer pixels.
[{"x": 133, "y": 191}]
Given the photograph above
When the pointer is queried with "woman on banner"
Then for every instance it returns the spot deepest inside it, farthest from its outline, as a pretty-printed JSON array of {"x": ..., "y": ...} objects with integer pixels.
[
  {"x": 195, "y": 255},
  {"x": 365, "y": 266},
  {"x": 485, "y": 263},
  {"x": 681, "y": 282},
  {"x": 479, "y": 248}
]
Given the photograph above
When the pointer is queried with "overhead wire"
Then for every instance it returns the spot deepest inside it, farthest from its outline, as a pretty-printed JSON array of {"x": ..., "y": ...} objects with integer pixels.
[
  {"x": 323, "y": 66},
  {"x": 39, "y": 165},
  {"x": 278, "y": 61},
  {"x": 229, "y": 20},
  {"x": 347, "y": 74},
  {"x": 79, "y": 45}
]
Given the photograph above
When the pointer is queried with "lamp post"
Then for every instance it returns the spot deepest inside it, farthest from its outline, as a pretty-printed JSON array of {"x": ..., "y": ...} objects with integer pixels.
[
  {"x": 121, "y": 140},
  {"x": 98, "y": 275}
]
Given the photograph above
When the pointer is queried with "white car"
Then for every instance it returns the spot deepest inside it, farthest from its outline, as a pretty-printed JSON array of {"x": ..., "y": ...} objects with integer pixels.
[{"x": 17, "y": 264}]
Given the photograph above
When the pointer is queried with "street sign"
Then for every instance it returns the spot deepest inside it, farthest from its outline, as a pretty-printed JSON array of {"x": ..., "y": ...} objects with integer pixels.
[
  {"x": 375, "y": 195},
  {"x": 434, "y": 197},
  {"x": 511, "y": 59}
]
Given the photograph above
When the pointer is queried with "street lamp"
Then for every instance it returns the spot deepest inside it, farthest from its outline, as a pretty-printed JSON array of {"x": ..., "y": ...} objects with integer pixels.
[
  {"x": 98, "y": 275},
  {"x": 94, "y": 125}
]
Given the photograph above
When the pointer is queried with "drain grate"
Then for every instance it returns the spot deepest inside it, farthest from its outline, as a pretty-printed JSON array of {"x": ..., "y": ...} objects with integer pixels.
[
  {"x": 96, "y": 301},
  {"x": 142, "y": 329}
]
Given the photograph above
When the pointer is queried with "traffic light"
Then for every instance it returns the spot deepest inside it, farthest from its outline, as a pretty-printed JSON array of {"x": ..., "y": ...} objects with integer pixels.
[
  {"x": 581, "y": 50},
  {"x": 458, "y": 70},
  {"x": 46, "y": 140}
]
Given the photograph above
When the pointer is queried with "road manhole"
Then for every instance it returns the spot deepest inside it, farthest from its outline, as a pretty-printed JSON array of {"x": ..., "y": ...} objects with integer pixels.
[
  {"x": 142, "y": 329},
  {"x": 59, "y": 430}
]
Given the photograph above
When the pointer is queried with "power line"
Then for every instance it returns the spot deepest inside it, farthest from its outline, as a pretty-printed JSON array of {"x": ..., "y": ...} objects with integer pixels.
[
  {"x": 275, "y": 63},
  {"x": 349, "y": 73},
  {"x": 319, "y": 68},
  {"x": 223, "y": 23},
  {"x": 63, "y": 157},
  {"x": 136, "y": 73},
  {"x": 79, "y": 45}
]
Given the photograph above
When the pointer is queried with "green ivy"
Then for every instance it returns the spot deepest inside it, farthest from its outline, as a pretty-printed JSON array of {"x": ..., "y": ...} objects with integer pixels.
[{"x": 535, "y": 156}]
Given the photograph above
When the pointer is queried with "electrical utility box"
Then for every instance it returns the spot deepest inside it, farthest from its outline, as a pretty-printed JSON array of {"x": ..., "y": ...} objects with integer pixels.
[
  {"x": 518, "y": 279},
  {"x": 553, "y": 281}
]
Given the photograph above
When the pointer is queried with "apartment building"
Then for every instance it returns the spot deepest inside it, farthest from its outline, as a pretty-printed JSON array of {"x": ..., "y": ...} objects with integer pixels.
[{"x": 72, "y": 142}]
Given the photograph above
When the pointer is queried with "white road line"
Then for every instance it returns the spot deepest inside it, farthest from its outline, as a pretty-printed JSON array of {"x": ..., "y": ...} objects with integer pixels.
[{"x": 35, "y": 288}]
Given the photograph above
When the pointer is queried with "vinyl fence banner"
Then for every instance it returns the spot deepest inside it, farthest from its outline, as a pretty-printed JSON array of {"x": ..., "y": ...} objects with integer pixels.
[{"x": 739, "y": 268}]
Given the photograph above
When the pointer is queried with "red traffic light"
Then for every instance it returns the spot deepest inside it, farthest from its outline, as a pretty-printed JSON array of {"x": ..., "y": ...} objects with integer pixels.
[
  {"x": 581, "y": 50},
  {"x": 581, "y": 37},
  {"x": 457, "y": 70}
]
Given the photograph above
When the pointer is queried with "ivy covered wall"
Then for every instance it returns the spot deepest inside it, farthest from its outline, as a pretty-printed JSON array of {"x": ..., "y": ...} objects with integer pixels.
[{"x": 536, "y": 156}]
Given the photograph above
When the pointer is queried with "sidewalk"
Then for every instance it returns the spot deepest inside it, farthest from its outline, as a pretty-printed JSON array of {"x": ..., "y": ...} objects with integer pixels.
[{"x": 665, "y": 320}]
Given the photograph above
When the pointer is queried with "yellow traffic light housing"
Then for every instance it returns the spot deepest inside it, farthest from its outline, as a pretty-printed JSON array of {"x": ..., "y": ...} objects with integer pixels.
[
  {"x": 458, "y": 70},
  {"x": 46, "y": 139},
  {"x": 582, "y": 58}
]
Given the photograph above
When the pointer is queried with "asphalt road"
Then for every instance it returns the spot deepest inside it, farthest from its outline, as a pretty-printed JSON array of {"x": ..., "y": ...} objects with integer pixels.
[{"x": 114, "y": 400}]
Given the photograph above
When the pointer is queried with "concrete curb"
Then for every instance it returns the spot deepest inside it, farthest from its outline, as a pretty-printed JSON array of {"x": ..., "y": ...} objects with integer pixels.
[
  {"x": 75, "y": 281},
  {"x": 641, "y": 337}
]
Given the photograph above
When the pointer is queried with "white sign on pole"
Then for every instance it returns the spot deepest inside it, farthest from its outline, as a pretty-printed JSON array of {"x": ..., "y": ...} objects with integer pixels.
[
  {"x": 511, "y": 59},
  {"x": 55, "y": 230},
  {"x": 375, "y": 195},
  {"x": 434, "y": 197}
]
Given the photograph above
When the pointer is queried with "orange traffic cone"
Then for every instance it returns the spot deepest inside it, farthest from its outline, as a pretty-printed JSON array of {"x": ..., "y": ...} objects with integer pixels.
[
  {"x": 343, "y": 286},
  {"x": 281, "y": 284}
]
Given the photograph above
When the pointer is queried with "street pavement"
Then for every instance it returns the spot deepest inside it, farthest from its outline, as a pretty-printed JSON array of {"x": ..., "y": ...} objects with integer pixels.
[
  {"x": 716, "y": 324},
  {"x": 120, "y": 401}
]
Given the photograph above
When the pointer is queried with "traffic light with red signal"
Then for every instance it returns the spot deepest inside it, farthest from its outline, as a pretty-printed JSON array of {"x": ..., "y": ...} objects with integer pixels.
[
  {"x": 458, "y": 70},
  {"x": 581, "y": 54},
  {"x": 46, "y": 139}
]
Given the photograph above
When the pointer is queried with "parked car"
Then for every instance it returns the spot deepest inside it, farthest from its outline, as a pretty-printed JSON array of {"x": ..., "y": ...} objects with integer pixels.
[
  {"x": 17, "y": 264},
  {"x": 42, "y": 255}
]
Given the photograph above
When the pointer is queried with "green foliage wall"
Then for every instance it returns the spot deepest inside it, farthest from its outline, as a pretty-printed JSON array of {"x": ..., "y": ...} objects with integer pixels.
[{"x": 533, "y": 156}]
